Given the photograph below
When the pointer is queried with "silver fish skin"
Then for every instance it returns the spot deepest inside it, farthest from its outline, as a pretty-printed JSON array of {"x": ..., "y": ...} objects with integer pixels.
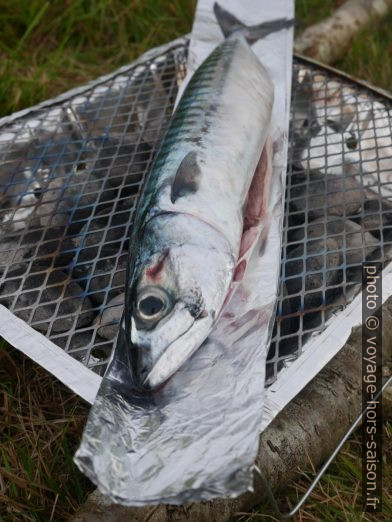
[{"x": 189, "y": 222}]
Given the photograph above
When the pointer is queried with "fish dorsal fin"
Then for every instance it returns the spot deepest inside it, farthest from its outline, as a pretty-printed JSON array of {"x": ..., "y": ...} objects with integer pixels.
[{"x": 187, "y": 178}]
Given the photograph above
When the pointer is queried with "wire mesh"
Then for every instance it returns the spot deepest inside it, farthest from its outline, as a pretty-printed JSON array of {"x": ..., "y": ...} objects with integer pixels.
[{"x": 70, "y": 175}]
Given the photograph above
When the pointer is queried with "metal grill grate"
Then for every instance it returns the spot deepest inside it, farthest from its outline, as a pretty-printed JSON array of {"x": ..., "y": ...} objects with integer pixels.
[
  {"x": 70, "y": 175},
  {"x": 337, "y": 210}
]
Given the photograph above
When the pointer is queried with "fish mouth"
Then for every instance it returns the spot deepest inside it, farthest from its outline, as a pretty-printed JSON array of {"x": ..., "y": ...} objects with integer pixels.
[{"x": 155, "y": 375}]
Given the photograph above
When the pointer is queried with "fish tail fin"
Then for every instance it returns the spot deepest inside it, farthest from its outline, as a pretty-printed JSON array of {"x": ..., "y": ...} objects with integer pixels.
[{"x": 229, "y": 25}]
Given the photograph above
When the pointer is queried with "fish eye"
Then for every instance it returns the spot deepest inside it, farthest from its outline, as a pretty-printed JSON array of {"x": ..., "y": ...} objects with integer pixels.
[{"x": 152, "y": 304}]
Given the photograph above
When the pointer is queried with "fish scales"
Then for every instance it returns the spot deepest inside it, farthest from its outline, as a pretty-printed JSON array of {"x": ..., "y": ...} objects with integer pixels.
[{"x": 223, "y": 118}]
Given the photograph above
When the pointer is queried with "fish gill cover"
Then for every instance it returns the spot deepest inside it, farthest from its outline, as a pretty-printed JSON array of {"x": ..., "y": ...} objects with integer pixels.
[{"x": 178, "y": 413}]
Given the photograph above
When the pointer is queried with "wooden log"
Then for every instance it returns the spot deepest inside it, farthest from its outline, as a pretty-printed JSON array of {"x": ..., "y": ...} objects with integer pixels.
[
  {"x": 300, "y": 434},
  {"x": 328, "y": 40}
]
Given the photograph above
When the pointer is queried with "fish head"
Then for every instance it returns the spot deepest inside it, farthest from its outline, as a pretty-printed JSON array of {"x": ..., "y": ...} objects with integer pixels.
[{"x": 176, "y": 297}]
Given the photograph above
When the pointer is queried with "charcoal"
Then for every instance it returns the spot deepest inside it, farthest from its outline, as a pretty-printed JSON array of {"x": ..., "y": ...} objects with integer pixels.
[
  {"x": 312, "y": 320},
  {"x": 61, "y": 140},
  {"x": 83, "y": 343},
  {"x": 288, "y": 325},
  {"x": 55, "y": 205},
  {"x": 303, "y": 122},
  {"x": 110, "y": 226},
  {"x": 48, "y": 247},
  {"x": 322, "y": 195},
  {"x": 153, "y": 110},
  {"x": 90, "y": 254},
  {"x": 57, "y": 252},
  {"x": 82, "y": 339},
  {"x": 20, "y": 172},
  {"x": 41, "y": 290},
  {"x": 272, "y": 369},
  {"x": 100, "y": 353},
  {"x": 350, "y": 237},
  {"x": 122, "y": 163},
  {"x": 288, "y": 306},
  {"x": 103, "y": 279},
  {"x": 377, "y": 218},
  {"x": 80, "y": 348},
  {"x": 18, "y": 218},
  {"x": 315, "y": 263},
  {"x": 322, "y": 260},
  {"x": 11, "y": 253},
  {"x": 288, "y": 346},
  {"x": 109, "y": 109},
  {"x": 31, "y": 277},
  {"x": 71, "y": 198},
  {"x": 80, "y": 355},
  {"x": 73, "y": 306},
  {"x": 281, "y": 351},
  {"x": 107, "y": 323}
]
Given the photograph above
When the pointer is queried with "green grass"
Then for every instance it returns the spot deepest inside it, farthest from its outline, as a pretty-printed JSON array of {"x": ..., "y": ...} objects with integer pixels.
[
  {"x": 308, "y": 12},
  {"x": 48, "y": 47},
  {"x": 45, "y": 49},
  {"x": 370, "y": 55},
  {"x": 40, "y": 426}
]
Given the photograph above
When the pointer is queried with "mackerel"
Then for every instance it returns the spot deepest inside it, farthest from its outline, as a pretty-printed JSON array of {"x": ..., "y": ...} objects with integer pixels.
[{"x": 190, "y": 222}]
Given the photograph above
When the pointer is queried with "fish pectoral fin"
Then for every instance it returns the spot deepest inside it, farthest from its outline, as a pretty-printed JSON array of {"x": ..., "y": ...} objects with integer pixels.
[{"x": 187, "y": 178}]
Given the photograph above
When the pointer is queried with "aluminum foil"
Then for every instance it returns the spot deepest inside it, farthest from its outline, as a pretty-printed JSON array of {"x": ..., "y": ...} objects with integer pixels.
[{"x": 197, "y": 437}]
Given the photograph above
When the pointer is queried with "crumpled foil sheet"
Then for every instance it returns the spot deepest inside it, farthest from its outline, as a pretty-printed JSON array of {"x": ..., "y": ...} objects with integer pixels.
[{"x": 196, "y": 438}]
